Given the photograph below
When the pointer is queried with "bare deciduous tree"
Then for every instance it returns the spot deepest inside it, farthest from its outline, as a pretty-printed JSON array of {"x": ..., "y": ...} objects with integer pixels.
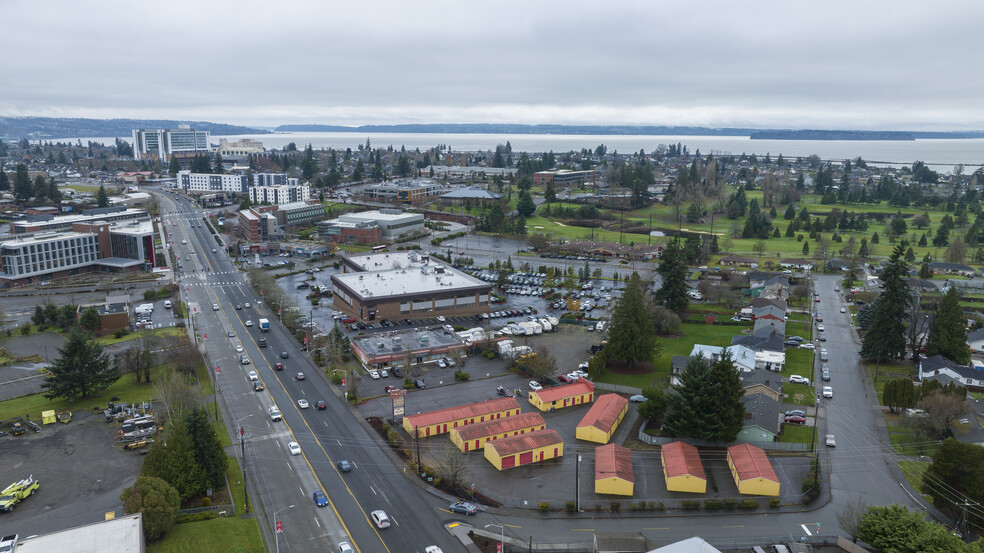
[
  {"x": 453, "y": 464},
  {"x": 917, "y": 328},
  {"x": 849, "y": 516},
  {"x": 943, "y": 409},
  {"x": 173, "y": 394}
]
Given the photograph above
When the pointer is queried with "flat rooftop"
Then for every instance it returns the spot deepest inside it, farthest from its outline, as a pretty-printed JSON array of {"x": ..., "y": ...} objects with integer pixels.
[
  {"x": 119, "y": 535},
  {"x": 385, "y": 343},
  {"x": 382, "y": 261},
  {"x": 380, "y": 215},
  {"x": 408, "y": 281},
  {"x": 134, "y": 227},
  {"x": 41, "y": 238},
  {"x": 81, "y": 218}
]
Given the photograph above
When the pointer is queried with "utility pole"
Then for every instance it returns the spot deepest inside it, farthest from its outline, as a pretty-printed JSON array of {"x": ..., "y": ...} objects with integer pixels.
[
  {"x": 242, "y": 442},
  {"x": 577, "y": 482},
  {"x": 416, "y": 437}
]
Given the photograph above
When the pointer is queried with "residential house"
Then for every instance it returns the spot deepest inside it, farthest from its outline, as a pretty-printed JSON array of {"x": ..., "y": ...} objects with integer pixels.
[
  {"x": 774, "y": 290},
  {"x": 975, "y": 340},
  {"x": 677, "y": 365},
  {"x": 762, "y": 415},
  {"x": 762, "y": 382},
  {"x": 711, "y": 353},
  {"x": 838, "y": 265},
  {"x": 769, "y": 325},
  {"x": 767, "y": 341},
  {"x": 770, "y": 360},
  {"x": 732, "y": 259},
  {"x": 762, "y": 302},
  {"x": 940, "y": 268},
  {"x": 769, "y": 311},
  {"x": 797, "y": 263},
  {"x": 743, "y": 356},
  {"x": 936, "y": 366}
]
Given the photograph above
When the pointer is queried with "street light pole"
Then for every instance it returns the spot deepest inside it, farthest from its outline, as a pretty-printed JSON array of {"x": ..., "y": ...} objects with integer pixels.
[
  {"x": 502, "y": 531},
  {"x": 242, "y": 443},
  {"x": 276, "y": 526}
]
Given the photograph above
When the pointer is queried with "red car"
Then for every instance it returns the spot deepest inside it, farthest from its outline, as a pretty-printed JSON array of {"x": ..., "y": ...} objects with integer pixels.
[
  {"x": 563, "y": 378},
  {"x": 278, "y": 366},
  {"x": 796, "y": 419},
  {"x": 321, "y": 405},
  {"x": 390, "y": 388}
]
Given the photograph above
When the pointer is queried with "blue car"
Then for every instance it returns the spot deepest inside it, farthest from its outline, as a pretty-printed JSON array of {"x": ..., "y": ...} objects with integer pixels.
[{"x": 320, "y": 499}]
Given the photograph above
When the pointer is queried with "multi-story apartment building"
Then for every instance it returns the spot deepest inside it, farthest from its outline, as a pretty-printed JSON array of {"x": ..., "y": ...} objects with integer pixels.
[
  {"x": 212, "y": 182},
  {"x": 279, "y": 194}
]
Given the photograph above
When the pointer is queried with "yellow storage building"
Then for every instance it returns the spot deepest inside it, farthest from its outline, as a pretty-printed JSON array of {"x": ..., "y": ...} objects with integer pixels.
[
  {"x": 474, "y": 436},
  {"x": 682, "y": 468},
  {"x": 525, "y": 449},
  {"x": 602, "y": 419},
  {"x": 613, "y": 470},
  {"x": 441, "y": 421},
  {"x": 752, "y": 471},
  {"x": 566, "y": 395}
]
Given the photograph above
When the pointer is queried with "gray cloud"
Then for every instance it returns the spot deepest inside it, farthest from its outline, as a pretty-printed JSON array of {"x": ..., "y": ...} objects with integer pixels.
[{"x": 840, "y": 64}]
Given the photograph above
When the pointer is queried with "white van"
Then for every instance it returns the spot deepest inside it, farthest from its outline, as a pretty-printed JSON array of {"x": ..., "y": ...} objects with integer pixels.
[{"x": 167, "y": 304}]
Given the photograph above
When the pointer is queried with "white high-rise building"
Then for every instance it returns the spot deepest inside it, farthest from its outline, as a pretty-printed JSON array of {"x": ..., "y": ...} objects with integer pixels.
[{"x": 162, "y": 143}]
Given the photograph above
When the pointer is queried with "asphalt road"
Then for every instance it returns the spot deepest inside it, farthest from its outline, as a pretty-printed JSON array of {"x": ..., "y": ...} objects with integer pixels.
[{"x": 857, "y": 465}]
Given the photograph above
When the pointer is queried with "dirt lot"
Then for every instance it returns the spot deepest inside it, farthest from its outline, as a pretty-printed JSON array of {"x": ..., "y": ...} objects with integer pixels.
[{"x": 81, "y": 468}]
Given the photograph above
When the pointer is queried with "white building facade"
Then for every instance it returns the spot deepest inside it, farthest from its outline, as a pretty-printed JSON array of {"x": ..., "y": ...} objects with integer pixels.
[{"x": 162, "y": 143}]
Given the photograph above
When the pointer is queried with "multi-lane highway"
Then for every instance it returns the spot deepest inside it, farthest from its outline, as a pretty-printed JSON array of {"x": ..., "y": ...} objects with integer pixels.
[{"x": 857, "y": 466}]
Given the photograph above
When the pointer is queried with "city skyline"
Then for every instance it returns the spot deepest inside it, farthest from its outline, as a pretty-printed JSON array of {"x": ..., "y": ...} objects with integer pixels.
[{"x": 873, "y": 66}]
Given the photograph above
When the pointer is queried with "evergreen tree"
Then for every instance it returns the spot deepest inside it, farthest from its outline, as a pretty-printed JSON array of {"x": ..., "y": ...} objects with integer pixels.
[
  {"x": 40, "y": 188},
  {"x": 89, "y": 320},
  {"x": 673, "y": 292},
  {"x": 208, "y": 451},
  {"x": 219, "y": 169},
  {"x": 22, "y": 183},
  {"x": 924, "y": 271},
  {"x": 525, "y": 206},
  {"x": 863, "y": 248},
  {"x": 947, "y": 333},
  {"x": 403, "y": 166},
  {"x": 728, "y": 393},
  {"x": 550, "y": 194},
  {"x": 81, "y": 370},
  {"x": 692, "y": 409},
  {"x": 806, "y": 247},
  {"x": 173, "y": 167},
  {"x": 631, "y": 336},
  {"x": 910, "y": 255},
  {"x": 102, "y": 199},
  {"x": 790, "y": 213},
  {"x": 4, "y": 181},
  {"x": 790, "y": 231},
  {"x": 886, "y": 337},
  {"x": 874, "y": 238},
  {"x": 175, "y": 462},
  {"x": 158, "y": 503},
  {"x": 54, "y": 194}
]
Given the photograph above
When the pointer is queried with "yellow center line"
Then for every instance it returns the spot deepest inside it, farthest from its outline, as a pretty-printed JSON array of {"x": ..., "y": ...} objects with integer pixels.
[
  {"x": 655, "y": 528},
  {"x": 739, "y": 526},
  {"x": 306, "y": 460},
  {"x": 582, "y": 529},
  {"x": 511, "y": 526}
]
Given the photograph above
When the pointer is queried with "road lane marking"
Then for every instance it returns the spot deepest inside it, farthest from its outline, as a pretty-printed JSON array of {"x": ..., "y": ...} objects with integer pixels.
[
  {"x": 582, "y": 529},
  {"x": 655, "y": 528},
  {"x": 805, "y": 529},
  {"x": 738, "y": 526},
  {"x": 511, "y": 526}
]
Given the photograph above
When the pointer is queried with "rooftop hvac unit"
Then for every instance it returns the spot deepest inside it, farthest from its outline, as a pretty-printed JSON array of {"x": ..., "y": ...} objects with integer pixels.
[
  {"x": 380, "y": 345},
  {"x": 425, "y": 338}
]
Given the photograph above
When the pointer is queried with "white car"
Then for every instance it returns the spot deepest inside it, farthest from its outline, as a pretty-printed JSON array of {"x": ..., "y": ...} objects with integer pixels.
[
  {"x": 294, "y": 448},
  {"x": 380, "y": 519},
  {"x": 799, "y": 379},
  {"x": 253, "y": 375},
  {"x": 535, "y": 386},
  {"x": 249, "y": 323},
  {"x": 432, "y": 549},
  {"x": 303, "y": 403},
  {"x": 442, "y": 364},
  {"x": 820, "y": 327},
  {"x": 843, "y": 310},
  {"x": 441, "y": 318},
  {"x": 213, "y": 250},
  {"x": 374, "y": 375},
  {"x": 246, "y": 305},
  {"x": 345, "y": 547},
  {"x": 828, "y": 392},
  {"x": 239, "y": 348},
  {"x": 807, "y": 345}
]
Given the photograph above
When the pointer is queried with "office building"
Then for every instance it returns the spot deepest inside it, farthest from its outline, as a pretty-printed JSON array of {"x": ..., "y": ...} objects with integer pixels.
[
  {"x": 212, "y": 182},
  {"x": 87, "y": 247},
  {"x": 404, "y": 190},
  {"x": 33, "y": 224},
  {"x": 411, "y": 287},
  {"x": 299, "y": 213},
  {"x": 563, "y": 177},
  {"x": 239, "y": 149},
  {"x": 259, "y": 224},
  {"x": 341, "y": 232},
  {"x": 183, "y": 142}
]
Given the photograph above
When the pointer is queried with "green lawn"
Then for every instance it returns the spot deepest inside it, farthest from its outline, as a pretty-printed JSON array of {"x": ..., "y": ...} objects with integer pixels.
[
  {"x": 799, "y": 361},
  {"x": 801, "y": 329},
  {"x": 125, "y": 388},
  {"x": 914, "y": 471},
  {"x": 906, "y": 442},
  {"x": 792, "y": 433},
  {"x": 800, "y": 394},
  {"x": 172, "y": 331},
  {"x": 711, "y": 335}
]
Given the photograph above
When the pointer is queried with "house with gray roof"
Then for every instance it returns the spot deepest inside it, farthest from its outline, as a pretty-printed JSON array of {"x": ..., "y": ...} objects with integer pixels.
[
  {"x": 941, "y": 268},
  {"x": 473, "y": 194},
  {"x": 768, "y": 341},
  {"x": 933, "y": 367},
  {"x": 975, "y": 340},
  {"x": 762, "y": 382},
  {"x": 762, "y": 415},
  {"x": 769, "y": 324}
]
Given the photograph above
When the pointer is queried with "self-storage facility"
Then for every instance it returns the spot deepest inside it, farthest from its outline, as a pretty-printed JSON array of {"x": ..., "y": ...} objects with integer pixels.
[
  {"x": 613, "y": 470},
  {"x": 602, "y": 419},
  {"x": 474, "y": 436},
  {"x": 525, "y": 449},
  {"x": 441, "y": 421},
  {"x": 566, "y": 395},
  {"x": 752, "y": 470},
  {"x": 682, "y": 468}
]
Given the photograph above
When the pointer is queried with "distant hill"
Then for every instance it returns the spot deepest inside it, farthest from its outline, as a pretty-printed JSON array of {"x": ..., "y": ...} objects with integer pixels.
[
  {"x": 755, "y": 134},
  {"x": 508, "y": 128},
  {"x": 53, "y": 128}
]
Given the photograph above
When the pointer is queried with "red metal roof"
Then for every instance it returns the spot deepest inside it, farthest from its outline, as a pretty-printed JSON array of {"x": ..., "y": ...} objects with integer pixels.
[
  {"x": 499, "y": 426},
  {"x": 604, "y": 413},
  {"x": 750, "y": 462},
  {"x": 461, "y": 412},
  {"x": 613, "y": 460},
  {"x": 681, "y": 458},
  {"x": 549, "y": 395},
  {"x": 525, "y": 442}
]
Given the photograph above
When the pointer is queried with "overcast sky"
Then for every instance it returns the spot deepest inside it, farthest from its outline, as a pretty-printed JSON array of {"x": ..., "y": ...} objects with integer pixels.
[{"x": 911, "y": 65}]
